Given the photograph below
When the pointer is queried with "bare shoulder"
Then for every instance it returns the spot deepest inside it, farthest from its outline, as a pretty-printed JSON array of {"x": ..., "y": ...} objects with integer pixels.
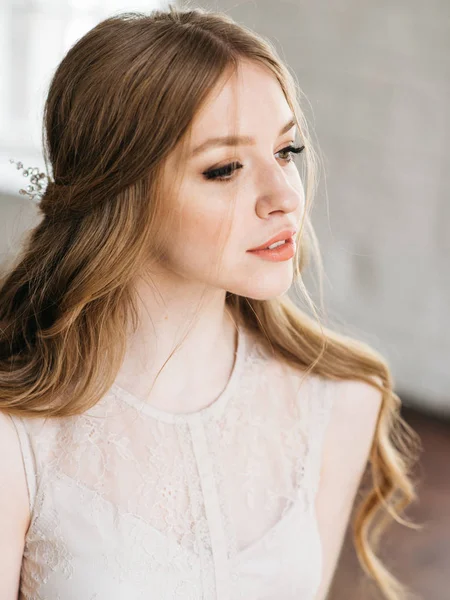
[
  {"x": 12, "y": 473},
  {"x": 346, "y": 451},
  {"x": 356, "y": 408},
  {"x": 14, "y": 509}
]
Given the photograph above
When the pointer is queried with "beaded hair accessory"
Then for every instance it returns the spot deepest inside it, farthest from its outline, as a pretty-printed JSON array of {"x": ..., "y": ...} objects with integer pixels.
[{"x": 38, "y": 182}]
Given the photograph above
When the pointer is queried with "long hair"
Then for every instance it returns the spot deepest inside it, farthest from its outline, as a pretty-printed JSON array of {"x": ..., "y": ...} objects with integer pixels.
[{"x": 123, "y": 96}]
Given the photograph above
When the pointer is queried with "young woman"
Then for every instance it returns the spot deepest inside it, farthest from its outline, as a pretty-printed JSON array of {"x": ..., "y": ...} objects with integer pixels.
[{"x": 172, "y": 424}]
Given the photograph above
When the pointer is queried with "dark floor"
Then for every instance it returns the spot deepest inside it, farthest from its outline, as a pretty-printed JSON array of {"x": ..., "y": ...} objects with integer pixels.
[{"x": 418, "y": 558}]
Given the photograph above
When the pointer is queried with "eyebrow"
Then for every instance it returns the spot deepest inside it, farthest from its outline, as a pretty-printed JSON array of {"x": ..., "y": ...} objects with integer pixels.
[{"x": 233, "y": 140}]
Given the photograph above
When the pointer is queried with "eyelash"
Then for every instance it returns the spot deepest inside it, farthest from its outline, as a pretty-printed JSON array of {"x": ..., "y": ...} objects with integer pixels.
[{"x": 219, "y": 174}]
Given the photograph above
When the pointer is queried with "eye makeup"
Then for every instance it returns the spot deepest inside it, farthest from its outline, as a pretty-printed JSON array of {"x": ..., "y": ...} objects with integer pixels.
[{"x": 222, "y": 174}]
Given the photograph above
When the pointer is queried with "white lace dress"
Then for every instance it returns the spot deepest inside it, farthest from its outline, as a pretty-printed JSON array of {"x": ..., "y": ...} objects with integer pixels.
[{"x": 129, "y": 502}]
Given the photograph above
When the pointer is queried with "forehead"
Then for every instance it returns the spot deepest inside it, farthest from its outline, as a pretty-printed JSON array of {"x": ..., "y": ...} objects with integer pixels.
[{"x": 244, "y": 103}]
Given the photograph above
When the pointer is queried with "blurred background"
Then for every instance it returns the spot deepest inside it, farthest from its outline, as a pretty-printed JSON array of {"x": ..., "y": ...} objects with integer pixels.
[{"x": 376, "y": 76}]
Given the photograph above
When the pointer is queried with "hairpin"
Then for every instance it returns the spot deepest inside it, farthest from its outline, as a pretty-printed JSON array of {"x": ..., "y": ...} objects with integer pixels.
[{"x": 38, "y": 181}]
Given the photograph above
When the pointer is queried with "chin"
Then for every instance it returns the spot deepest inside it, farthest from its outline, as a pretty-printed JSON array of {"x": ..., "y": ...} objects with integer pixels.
[{"x": 264, "y": 287}]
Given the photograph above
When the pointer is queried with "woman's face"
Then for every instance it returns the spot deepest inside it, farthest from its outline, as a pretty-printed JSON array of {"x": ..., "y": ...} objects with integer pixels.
[{"x": 252, "y": 204}]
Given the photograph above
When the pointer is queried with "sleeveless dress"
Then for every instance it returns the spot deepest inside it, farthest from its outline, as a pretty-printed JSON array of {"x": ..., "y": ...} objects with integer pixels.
[{"x": 129, "y": 502}]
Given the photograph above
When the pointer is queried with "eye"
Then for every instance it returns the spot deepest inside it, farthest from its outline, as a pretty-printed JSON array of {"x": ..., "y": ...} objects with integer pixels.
[
  {"x": 292, "y": 150},
  {"x": 223, "y": 173}
]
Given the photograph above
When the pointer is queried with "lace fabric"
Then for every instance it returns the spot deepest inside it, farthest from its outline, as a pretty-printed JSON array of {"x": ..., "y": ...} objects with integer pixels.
[{"x": 129, "y": 501}]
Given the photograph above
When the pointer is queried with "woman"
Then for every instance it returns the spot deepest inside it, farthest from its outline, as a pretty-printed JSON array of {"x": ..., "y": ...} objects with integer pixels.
[{"x": 230, "y": 470}]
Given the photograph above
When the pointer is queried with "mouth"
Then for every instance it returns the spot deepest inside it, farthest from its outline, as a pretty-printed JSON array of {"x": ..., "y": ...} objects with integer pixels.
[
  {"x": 281, "y": 238},
  {"x": 279, "y": 251}
]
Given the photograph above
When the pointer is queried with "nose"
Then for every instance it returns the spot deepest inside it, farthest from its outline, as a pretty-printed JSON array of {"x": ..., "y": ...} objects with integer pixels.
[{"x": 278, "y": 191}]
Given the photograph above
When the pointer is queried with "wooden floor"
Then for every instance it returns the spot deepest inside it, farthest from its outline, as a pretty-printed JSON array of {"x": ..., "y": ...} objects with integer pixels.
[{"x": 418, "y": 558}]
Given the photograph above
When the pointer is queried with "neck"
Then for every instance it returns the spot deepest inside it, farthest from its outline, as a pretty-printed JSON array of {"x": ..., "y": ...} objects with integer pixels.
[{"x": 198, "y": 370}]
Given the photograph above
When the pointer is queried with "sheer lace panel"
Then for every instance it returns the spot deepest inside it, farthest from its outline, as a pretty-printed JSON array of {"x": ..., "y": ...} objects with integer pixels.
[{"x": 137, "y": 497}]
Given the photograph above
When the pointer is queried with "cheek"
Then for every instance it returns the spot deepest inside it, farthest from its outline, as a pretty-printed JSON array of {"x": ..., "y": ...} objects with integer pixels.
[{"x": 201, "y": 230}]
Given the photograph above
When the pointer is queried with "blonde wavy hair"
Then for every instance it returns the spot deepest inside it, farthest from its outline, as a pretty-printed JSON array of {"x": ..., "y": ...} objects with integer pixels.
[{"x": 119, "y": 101}]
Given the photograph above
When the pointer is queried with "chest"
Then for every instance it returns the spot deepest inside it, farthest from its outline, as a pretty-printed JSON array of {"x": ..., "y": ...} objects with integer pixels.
[
  {"x": 84, "y": 549},
  {"x": 200, "y": 507}
]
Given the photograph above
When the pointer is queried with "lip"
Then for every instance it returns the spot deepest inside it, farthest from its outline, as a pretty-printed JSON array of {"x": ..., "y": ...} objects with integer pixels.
[{"x": 286, "y": 234}]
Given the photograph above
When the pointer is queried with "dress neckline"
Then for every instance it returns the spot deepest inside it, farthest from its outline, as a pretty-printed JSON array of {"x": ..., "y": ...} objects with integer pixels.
[{"x": 215, "y": 408}]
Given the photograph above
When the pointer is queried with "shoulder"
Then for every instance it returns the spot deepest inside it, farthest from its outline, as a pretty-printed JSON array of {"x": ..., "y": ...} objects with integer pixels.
[
  {"x": 356, "y": 397},
  {"x": 349, "y": 436},
  {"x": 14, "y": 505},
  {"x": 14, "y": 513},
  {"x": 356, "y": 407},
  {"x": 346, "y": 451}
]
